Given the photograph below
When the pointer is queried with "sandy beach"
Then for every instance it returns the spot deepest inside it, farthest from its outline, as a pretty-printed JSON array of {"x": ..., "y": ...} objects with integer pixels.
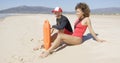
[{"x": 19, "y": 34}]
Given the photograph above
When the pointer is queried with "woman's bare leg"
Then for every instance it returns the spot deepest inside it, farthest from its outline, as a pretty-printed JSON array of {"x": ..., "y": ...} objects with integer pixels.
[{"x": 69, "y": 39}]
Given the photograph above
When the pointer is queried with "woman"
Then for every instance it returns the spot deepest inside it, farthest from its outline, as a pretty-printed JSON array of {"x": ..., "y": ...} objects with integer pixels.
[{"x": 83, "y": 21}]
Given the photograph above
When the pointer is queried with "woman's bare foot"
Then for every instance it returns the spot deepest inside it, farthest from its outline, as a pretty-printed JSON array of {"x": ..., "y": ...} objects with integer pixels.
[{"x": 44, "y": 54}]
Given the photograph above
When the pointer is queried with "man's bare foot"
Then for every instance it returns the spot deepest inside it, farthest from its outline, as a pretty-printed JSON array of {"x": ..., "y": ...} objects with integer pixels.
[
  {"x": 38, "y": 47},
  {"x": 44, "y": 54}
]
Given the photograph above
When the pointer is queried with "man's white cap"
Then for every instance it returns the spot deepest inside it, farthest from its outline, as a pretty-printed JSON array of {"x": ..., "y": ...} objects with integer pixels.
[{"x": 57, "y": 9}]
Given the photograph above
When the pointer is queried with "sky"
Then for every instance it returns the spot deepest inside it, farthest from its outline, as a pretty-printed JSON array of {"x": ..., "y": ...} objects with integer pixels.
[{"x": 66, "y": 5}]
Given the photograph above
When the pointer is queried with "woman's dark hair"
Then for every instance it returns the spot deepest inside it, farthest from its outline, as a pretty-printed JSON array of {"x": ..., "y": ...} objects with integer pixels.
[{"x": 85, "y": 9}]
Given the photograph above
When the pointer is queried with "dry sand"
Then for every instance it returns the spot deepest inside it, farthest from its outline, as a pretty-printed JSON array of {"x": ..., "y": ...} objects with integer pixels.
[{"x": 20, "y": 34}]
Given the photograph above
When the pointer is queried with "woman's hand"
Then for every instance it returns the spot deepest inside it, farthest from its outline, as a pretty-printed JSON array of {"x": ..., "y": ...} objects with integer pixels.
[{"x": 100, "y": 40}]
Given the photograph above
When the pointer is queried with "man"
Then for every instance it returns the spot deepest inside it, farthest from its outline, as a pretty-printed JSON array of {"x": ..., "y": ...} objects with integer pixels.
[{"x": 62, "y": 25}]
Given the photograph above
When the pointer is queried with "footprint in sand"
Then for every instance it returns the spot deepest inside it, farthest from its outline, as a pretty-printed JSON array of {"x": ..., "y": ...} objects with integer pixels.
[
  {"x": 16, "y": 59},
  {"x": 22, "y": 59}
]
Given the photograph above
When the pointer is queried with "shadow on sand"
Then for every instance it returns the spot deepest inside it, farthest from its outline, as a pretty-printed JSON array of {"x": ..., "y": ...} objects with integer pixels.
[{"x": 88, "y": 36}]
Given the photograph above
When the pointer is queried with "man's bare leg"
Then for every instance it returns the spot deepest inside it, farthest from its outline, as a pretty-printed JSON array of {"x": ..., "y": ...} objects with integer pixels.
[
  {"x": 69, "y": 39},
  {"x": 53, "y": 37}
]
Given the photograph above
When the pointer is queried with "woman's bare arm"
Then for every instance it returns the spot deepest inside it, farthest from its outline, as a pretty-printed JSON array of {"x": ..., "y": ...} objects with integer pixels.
[{"x": 92, "y": 31}]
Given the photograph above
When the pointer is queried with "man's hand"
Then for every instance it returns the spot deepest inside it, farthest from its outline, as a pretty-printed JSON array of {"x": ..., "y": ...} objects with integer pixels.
[{"x": 52, "y": 30}]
